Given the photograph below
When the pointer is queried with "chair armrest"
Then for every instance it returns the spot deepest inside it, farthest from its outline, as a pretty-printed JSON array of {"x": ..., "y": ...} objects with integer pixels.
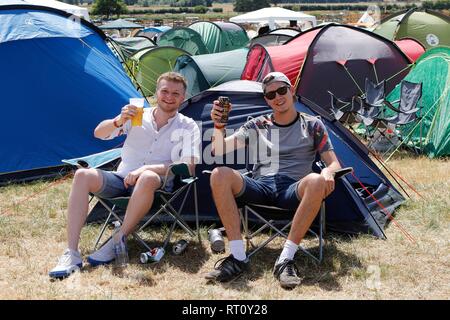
[
  {"x": 390, "y": 106},
  {"x": 95, "y": 160},
  {"x": 180, "y": 169},
  {"x": 342, "y": 172}
]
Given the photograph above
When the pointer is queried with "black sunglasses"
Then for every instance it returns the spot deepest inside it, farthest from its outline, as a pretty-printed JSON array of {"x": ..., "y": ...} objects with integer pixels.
[{"x": 272, "y": 94}]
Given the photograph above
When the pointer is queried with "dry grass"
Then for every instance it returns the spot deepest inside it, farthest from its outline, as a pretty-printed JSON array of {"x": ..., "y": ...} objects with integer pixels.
[{"x": 32, "y": 236}]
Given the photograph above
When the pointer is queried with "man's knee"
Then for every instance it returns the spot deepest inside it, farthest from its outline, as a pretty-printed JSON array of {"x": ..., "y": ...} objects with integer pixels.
[
  {"x": 87, "y": 179},
  {"x": 221, "y": 177},
  {"x": 149, "y": 180},
  {"x": 314, "y": 184}
]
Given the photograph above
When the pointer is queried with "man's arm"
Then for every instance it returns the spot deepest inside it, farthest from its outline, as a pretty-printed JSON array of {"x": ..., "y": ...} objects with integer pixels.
[
  {"x": 107, "y": 127},
  {"x": 330, "y": 159},
  {"x": 220, "y": 144}
]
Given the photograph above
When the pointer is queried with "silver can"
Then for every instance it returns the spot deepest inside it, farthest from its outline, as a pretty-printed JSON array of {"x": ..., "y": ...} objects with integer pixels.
[{"x": 216, "y": 240}]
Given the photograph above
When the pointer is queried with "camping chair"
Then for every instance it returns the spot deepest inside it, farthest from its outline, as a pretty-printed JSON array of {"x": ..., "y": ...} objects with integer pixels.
[
  {"x": 272, "y": 216},
  {"x": 371, "y": 104},
  {"x": 163, "y": 201},
  {"x": 344, "y": 111},
  {"x": 406, "y": 113}
]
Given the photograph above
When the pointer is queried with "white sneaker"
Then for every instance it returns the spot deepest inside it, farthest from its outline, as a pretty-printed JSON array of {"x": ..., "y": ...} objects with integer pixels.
[
  {"x": 68, "y": 263},
  {"x": 104, "y": 255}
]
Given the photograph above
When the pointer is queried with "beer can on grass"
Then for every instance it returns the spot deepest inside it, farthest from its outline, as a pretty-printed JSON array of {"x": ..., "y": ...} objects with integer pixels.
[
  {"x": 154, "y": 255},
  {"x": 224, "y": 103},
  {"x": 180, "y": 247}
]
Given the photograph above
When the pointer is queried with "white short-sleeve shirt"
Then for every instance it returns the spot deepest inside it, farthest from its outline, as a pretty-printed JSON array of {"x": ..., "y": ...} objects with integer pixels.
[{"x": 177, "y": 141}]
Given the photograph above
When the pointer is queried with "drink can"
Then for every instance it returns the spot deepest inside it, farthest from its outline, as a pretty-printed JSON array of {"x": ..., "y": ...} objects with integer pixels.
[
  {"x": 224, "y": 103},
  {"x": 179, "y": 247},
  {"x": 216, "y": 240},
  {"x": 152, "y": 256}
]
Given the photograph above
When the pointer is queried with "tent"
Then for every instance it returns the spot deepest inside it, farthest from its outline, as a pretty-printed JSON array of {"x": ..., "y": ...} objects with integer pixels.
[
  {"x": 130, "y": 45},
  {"x": 412, "y": 48},
  {"x": 336, "y": 58},
  {"x": 61, "y": 81},
  {"x": 275, "y": 37},
  {"x": 433, "y": 71},
  {"x": 274, "y": 15},
  {"x": 349, "y": 209},
  {"x": 183, "y": 38},
  {"x": 220, "y": 36},
  {"x": 120, "y": 24},
  {"x": 430, "y": 28},
  {"x": 148, "y": 64},
  {"x": 209, "y": 70},
  {"x": 151, "y": 32},
  {"x": 75, "y": 10}
]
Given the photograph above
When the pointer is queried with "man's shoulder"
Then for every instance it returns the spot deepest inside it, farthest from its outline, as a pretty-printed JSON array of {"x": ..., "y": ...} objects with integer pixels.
[{"x": 185, "y": 120}]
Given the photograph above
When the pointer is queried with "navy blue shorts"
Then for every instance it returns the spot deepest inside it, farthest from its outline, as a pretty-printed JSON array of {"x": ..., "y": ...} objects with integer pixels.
[{"x": 276, "y": 190}]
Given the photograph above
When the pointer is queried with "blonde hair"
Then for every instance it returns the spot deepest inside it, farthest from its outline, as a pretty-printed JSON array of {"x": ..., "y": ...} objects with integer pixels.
[{"x": 172, "y": 76}]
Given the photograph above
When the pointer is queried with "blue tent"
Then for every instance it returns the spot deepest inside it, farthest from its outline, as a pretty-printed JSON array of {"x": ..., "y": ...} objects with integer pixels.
[
  {"x": 350, "y": 209},
  {"x": 58, "y": 80}
]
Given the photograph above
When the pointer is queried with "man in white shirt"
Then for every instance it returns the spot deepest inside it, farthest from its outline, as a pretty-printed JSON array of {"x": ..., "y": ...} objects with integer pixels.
[{"x": 165, "y": 137}]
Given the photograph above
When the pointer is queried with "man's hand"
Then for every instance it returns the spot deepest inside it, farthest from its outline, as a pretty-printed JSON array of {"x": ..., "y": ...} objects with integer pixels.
[
  {"x": 329, "y": 181},
  {"x": 131, "y": 177},
  {"x": 216, "y": 114},
  {"x": 128, "y": 112}
]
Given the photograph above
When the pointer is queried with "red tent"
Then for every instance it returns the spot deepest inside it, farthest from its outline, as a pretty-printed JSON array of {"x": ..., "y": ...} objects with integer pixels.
[
  {"x": 336, "y": 58},
  {"x": 411, "y": 47}
]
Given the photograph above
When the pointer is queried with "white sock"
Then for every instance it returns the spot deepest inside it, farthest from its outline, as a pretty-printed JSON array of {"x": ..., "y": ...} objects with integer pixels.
[
  {"x": 289, "y": 250},
  {"x": 238, "y": 250}
]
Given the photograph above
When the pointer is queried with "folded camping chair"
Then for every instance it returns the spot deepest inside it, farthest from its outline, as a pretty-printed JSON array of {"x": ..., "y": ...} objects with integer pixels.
[
  {"x": 344, "y": 111},
  {"x": 163, "y": 201},
  {"x": 406, "y": 113}
]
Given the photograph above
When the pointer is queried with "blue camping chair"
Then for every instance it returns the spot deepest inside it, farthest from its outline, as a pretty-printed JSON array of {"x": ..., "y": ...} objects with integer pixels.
[{"x": 163, "y": 203}]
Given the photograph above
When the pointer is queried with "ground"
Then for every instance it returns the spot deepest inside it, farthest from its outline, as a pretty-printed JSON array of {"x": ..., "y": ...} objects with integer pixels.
[{"x": 32, "y": 236}]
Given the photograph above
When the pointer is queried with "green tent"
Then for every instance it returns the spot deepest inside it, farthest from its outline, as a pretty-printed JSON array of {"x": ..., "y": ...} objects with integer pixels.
[
  {"x": 183, "y": 38},
  {"x": 148, "y": 64},
  {"x": 433, "y": 70},
  {"x": 209, "y": 70},
  {"x": 130, "y": 45},
  {"x": 430, "y": 28},
  {"x": 221, "y": 36}
]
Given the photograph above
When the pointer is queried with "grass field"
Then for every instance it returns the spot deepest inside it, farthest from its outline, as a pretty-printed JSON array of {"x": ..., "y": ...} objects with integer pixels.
[{"x": 32, "y": 236}]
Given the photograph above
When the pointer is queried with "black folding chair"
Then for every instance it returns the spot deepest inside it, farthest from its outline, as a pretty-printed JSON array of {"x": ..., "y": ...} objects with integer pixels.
[
  {"x": 163, "y": 199},
  {"x": 279, "y": 220}
]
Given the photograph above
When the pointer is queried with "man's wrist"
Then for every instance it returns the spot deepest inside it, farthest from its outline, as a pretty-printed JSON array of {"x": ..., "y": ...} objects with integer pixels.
[
  {"x": 116, "y": 123},
  {"x": 219, "y": 126}
]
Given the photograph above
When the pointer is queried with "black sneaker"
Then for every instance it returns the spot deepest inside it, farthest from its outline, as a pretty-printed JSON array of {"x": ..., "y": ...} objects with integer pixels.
[
  {"x": 228, "y": 269},
  {"x": 287, "y": 273}
]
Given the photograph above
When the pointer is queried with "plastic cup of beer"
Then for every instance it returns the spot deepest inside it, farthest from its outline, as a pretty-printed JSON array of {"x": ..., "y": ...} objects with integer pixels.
[{"x": 136, "y": 121}]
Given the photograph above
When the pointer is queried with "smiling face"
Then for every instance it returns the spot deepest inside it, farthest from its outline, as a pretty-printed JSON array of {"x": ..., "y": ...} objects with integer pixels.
[
  {"x": 281, "y": 103},
  {"x": 170, "y": 95}
]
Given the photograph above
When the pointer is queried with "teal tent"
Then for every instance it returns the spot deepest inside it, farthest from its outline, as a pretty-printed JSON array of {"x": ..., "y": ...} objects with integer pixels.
[
  {"x": 432, "y": 69},
  {"x": 183, "y": 38},
  {"x": 209, "y": 70},
  {"x": 148, "y": 64},
  {"x": 221, "y": 36}
]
